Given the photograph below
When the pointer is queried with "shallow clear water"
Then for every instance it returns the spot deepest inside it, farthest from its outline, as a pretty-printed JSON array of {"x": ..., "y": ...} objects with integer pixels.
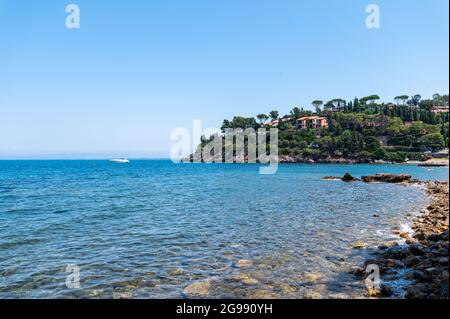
[{"x": 149, "y": 229}]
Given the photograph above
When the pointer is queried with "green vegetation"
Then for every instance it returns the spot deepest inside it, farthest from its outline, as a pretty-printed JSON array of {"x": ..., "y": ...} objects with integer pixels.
[{"x": 363, "y": 129}]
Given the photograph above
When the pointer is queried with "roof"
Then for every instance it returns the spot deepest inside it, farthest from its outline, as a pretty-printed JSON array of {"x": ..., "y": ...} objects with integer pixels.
[
  {"x": 311, "y": 118},
  {"x": 442, "y": 107}
]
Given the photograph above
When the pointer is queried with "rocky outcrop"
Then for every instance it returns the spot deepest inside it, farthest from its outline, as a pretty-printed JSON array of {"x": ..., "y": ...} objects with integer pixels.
[
  {"x": 349, "y": 178},
  {"x": 331, "y": 178},
  {"x": 346, "y": 178},
  {"x": 378, "y": 178},
  {"x": 387, "y": 178}
]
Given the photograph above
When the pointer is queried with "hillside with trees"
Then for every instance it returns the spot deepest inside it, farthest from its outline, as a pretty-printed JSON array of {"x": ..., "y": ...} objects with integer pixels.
[{"x": 361, "y": 130}]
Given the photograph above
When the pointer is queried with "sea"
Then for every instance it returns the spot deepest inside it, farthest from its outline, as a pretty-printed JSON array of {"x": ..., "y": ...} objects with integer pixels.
[{"x": 158, "y": 229}]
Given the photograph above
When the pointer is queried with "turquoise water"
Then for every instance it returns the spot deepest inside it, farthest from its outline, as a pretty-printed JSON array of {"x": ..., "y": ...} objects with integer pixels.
[{"x": 148, "y": 229}]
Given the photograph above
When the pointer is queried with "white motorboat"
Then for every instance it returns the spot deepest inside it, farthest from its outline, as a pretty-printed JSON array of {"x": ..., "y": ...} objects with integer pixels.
[{"x": 119, "y": 160}]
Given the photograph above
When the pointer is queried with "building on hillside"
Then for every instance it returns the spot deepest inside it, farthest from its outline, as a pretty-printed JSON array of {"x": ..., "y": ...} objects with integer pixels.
[
  {"x": 312, "y": 122},
  {"x": 439, "y": 109},
  {"x": 375, "y": 122},
  {"x": 275, "y": 123}
]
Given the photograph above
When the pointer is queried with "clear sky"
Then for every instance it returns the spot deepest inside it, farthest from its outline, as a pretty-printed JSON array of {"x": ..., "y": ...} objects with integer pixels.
[{"x": 135, "y": 70}]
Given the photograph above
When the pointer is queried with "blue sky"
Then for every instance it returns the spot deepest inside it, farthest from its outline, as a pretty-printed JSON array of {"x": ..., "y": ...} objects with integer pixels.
[{"x": 135, "y": 70}]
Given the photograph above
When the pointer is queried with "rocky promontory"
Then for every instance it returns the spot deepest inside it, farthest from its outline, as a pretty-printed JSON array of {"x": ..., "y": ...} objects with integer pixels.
[{"x": 387, "y": 178}]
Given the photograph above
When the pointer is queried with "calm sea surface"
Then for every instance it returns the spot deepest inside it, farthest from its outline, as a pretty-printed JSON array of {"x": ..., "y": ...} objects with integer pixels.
[{"x": 149, "y": 229}]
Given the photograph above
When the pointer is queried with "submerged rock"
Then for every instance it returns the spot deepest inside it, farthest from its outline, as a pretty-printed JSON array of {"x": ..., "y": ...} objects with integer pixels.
[
  {"x": 123, "y": 295},
  {"x": 411, "y": 261},
  {"x": 198, "y": 288},
  {"x": 359, "y": 245},
  {"x": 245, "y": 279},
  {"x": 358, "y": 271},
  {"x": 313, "y": 295},
  {"x": 383, "y": 291},
  {"x": 416, "y": 292},
  {"x": 263, "y": 294},
  {"x": 416, "y": 250},
  {"x": 311, "y": 277},
  {"x": 288, "y": 289},
  {"x": 396, "y": 252},
  {"x": 249, "y": 281},
  {"x": 177, "y": 272},
  {"x": 244, "y": 263}
]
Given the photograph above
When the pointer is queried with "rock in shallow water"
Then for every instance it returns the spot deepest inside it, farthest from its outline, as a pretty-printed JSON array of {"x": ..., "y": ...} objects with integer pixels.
[
  {"x": 288, "y": 289},
  {"x": 359, "y": 245},
  {"x": 416, "y": 292},
  {"x": 383, "y": 291},
  {"x": 416, "y": 250},
  {"x": 313, "y": 295},
  {"x": 198, "y": 288},
  {"x": 396, "y": 252},
  {"x": 349, "y": 178},
  {"x": 411, "y": 261},
  {"x": 177, "y": 272},
  {"x": 387, "y": 178},
  {"x": 263, "y": 294},
  {"x": 311, "y": 277},
  {"x": 245, "y": 279},
  {"x": 244, "y": 263}
]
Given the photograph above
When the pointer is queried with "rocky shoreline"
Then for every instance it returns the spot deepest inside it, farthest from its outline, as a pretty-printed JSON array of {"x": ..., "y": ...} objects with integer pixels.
[
  {"x": 423, "y": 259},
  {"x": 289, "y": 159}
]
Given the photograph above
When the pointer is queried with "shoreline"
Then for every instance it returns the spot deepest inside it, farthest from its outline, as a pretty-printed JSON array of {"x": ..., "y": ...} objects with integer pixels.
[
  {"x": 422, "y": 262},
  {"x": 287, "y": 159},
  {"x": 431, "y": 162}
]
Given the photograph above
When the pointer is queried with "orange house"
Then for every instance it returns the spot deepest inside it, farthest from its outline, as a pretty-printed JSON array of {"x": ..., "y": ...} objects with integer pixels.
[
  {"x": 439, "y": 109},
  {"x": 312, "y": 122}
]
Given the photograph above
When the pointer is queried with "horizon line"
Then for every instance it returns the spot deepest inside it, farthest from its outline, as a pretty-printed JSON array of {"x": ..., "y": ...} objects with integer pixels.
[{"x": 80, "y": 159}]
